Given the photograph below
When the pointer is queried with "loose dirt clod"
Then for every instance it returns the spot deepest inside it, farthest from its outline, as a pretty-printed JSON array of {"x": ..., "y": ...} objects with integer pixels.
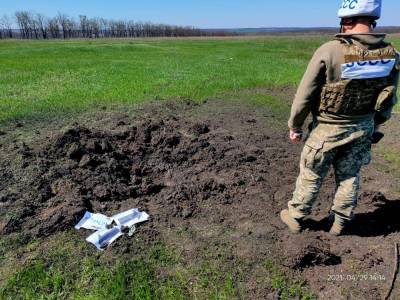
[
  {"x": 303, "y": 254},
  {"x": 313, "y": 256}
]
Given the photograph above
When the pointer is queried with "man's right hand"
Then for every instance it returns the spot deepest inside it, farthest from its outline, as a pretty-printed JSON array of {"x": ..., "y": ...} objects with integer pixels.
[{"x": 296, "y": 135}]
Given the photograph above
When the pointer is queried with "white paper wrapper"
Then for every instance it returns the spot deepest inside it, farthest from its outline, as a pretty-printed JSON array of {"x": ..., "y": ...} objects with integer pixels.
[
  {"x": 93, "y": 221},
  {"x": 103, "y": 238},
  {"x": 130, "y": 218}
]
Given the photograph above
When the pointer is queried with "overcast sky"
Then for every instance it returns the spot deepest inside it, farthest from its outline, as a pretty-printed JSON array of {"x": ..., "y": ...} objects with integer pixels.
[{"x": 204, "y": 13}]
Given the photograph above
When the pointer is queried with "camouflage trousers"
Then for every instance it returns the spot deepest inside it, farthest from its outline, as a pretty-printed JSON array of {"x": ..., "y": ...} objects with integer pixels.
[{"x": 345, "y": 147}]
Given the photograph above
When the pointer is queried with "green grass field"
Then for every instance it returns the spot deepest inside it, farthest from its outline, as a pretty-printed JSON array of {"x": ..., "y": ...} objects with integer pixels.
[{"x": 52, "y": 79}]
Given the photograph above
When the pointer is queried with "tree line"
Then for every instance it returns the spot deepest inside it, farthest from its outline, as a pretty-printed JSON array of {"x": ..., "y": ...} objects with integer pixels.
[{"x": 38, "y": 26}]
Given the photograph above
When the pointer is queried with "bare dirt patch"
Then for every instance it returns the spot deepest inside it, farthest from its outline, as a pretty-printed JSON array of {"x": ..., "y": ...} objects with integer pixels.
[{"x": 217, "y": 172}]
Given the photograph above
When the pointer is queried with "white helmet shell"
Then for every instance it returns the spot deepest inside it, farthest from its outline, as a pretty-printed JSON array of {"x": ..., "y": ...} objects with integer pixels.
[{"x": 358, "y": 8}]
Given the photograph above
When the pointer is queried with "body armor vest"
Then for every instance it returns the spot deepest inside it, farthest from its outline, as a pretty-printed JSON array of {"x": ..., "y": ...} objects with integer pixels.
[{"x": 365, "y": 74}]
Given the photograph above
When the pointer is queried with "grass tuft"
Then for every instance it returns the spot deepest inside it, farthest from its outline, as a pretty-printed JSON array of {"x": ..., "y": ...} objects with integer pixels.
[{"x": 286, "y": 287}]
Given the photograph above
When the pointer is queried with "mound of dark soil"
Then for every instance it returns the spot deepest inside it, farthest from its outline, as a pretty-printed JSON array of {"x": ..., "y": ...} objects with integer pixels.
[
  {"x": 84, "y": 169},
  {"x": 168, "y": 163}
]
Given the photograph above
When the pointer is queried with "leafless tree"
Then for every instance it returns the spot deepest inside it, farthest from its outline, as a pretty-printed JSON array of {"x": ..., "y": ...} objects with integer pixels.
[
  {"x": 23, "y": 20},
  {"x": 94, "y": 25},
  {"x": 62, "y": 26},
  {"x": 33, "y": 26},
  {"x": 67, "y": 25},
  {"x": 6, "y": 27},
  {"x": 83, "y": 25},
  {"x": 43, "y": 25},
  {"x": 104, "y": 27},
  {"x": 54, "y": 28}
]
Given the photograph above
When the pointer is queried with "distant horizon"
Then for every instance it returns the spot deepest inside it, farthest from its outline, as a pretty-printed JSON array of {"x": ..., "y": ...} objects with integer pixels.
[
  {"x": 76, "y": 18},
  {"x": 207, "y": 14},
  {"x": 254, "y": 28},
  {"x": 295, "y": 27},
  {"x": 15, "y": 26}
]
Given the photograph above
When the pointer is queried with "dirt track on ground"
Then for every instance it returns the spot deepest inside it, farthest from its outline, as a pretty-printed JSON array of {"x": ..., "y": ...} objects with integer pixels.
[{"x": 219, "y": 169}]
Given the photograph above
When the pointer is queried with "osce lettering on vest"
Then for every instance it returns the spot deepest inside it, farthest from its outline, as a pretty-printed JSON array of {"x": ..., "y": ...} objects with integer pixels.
[
  {"x": 365, "y": 74},
  {"x": 367, "y": 69}
]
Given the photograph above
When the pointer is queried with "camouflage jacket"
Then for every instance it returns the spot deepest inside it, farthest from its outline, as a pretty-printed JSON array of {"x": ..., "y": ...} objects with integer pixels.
[{"x": 326, "y": 68}]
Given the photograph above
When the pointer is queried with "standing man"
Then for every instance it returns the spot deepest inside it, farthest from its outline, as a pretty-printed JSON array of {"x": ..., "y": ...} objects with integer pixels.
[{"x": 350, "y": 89}]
